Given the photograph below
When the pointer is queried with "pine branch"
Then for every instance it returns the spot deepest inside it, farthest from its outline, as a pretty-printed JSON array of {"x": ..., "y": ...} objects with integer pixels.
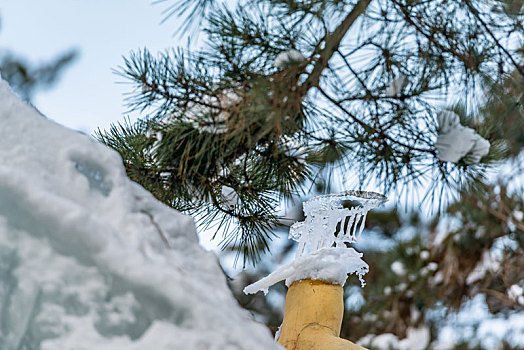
[
  {"x": 475, "y": 12},
  {"x": 332, "y": 42},
  {"x": 369, "y": 127}
]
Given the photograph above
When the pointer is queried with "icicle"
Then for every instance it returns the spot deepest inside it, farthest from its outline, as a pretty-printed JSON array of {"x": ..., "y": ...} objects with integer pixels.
[
  {"x": 362, "y": 225},
  {"x": 348, "y": 230},
  {"x": 354, "y": 234}
]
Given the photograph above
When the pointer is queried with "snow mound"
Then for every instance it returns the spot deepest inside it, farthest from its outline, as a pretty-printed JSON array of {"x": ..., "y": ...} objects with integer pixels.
[
  {"x": 330, "y": 265},
  {"x": 90, "y": 260}
]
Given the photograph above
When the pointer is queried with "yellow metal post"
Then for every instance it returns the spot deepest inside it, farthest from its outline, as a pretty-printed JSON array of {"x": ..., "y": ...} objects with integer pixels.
[{"x": 313, "y": 317}]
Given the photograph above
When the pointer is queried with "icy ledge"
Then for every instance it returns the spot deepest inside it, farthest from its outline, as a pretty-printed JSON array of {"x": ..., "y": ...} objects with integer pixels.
[
  {"x": 90, "y": 260},
  {"x": 330, "y": 265}
]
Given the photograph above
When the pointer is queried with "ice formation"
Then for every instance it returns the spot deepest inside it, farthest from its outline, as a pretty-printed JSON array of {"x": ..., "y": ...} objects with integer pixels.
[
  {"x": 328, "y": 223},
  {"x": 322, "y": 238},
  {"x": 90, "y": 260},
  {"x": 288, "y": 57},
  {"x": 456, "y": 141}
]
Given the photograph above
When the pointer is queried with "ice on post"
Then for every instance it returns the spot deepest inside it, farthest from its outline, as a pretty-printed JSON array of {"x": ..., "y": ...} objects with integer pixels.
[
  {"x": 332, "y": 222},
  {"x": 90, "y": 260}
]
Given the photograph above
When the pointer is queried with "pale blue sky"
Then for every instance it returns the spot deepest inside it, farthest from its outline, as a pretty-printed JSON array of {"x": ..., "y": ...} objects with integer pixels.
[{"x": 88, "y": 95}]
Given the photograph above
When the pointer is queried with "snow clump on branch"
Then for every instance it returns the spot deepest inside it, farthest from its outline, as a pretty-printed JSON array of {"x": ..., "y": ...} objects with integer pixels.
[
  {"x": 456, "y": 141},
  {"x": 289, "y": 57}
]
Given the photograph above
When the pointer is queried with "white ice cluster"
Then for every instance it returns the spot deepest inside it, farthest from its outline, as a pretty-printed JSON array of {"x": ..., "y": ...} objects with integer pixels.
[
  {"x": 322, "y": 253},
  {"x": 456, "y": 141},
  {"x": 328, "y": 223},
  {"x": 91, "y": 260},
  {"x": 289, "y": 57}
]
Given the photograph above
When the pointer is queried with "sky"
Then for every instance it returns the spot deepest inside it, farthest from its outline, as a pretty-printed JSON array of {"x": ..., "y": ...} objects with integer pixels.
[{"x": 89, "y": 95}]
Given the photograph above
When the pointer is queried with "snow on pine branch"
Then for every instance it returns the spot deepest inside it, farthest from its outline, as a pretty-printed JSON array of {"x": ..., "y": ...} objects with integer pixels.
[
  {"x": 456, "y": 141},
  {"x": 289, "y": 57}
]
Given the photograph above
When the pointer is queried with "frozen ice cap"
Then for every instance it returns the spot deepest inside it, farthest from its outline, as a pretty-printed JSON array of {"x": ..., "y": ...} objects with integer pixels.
[{"x": 90, "y": 260}]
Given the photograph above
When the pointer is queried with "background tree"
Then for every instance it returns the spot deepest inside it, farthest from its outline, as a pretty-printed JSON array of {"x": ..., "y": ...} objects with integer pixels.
[
  {"x": 26, "y": 78},
  {"x": 289, "y": 96}
]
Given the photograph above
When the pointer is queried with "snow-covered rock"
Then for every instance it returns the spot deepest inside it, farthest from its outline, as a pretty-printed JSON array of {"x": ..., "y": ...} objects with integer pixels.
[
  {"x": 456, "y": 141},
  {"x": 90, "y": 260}
]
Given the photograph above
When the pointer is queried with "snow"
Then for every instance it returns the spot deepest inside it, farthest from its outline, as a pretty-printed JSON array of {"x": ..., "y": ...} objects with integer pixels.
[
  {"x": 488, "y": 263},
  {"x": 395, "y": 87},
  {"x": 416, "y": 339},
  {"x": 288, "y": 57},
  {"x": 433, "y": 266},
  {"x": 456, "y": 141},
  {"x": 230, "y": 197},
  {"x": 210, "y": 114},
  {"x": 424, "y": 255},
  {"x": 515, "y": 293},
  {"x": 475, "y": 324},
  {"x": 90, "y": 260},
  {"x": 518, "y": 215},
  {"x": 398, "y": 268},
  {"x": 331, "y": 265}
]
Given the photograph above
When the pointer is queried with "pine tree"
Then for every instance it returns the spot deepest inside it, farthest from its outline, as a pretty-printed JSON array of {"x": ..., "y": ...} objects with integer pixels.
[
  {"x": 26, "y": 78},
  {"x": 287, "y": 95}
]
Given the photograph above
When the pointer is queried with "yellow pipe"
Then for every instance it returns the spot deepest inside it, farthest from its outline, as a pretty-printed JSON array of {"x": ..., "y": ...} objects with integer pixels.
[{"x": 313, "y": 317}]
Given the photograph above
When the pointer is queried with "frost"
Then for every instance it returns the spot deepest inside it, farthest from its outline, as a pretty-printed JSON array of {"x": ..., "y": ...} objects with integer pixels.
[
  {"x": 90, "y": 260},
  {"x": 456, "y": 141},
  {"x": 289, "y": 57}
]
